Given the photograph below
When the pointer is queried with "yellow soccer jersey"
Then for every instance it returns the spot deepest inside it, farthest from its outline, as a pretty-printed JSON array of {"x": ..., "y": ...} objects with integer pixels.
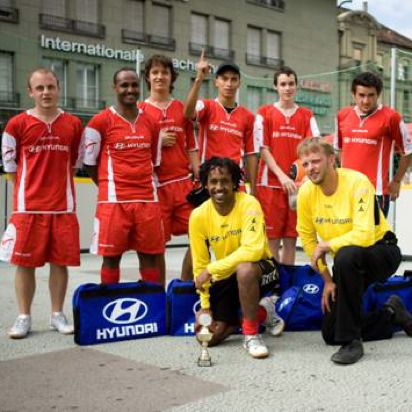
[
  {"x": 237, "y": 237},
  {"x": 345, "y": 218}
]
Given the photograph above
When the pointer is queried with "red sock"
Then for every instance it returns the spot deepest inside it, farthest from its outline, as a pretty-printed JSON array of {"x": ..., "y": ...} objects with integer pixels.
[
  {"x": 250, "y": 327},
  {"x": 261, "y": 314},
  {"x": 150, "y": 274},
  {"x": 109, "y": 275}
]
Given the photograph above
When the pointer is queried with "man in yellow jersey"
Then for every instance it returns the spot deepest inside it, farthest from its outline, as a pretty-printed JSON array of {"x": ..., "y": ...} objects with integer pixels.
[
  {"x": 230, "y": 225},
  {"x": 339, "y": 207}
]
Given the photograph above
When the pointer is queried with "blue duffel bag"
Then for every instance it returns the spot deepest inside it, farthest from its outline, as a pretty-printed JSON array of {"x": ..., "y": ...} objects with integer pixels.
[
  {"x": 183, "y": 302},
  {"x": 301, "y": 295},
  {"x": 116, "y": 312},
  {"x": 378, "y": 293}
]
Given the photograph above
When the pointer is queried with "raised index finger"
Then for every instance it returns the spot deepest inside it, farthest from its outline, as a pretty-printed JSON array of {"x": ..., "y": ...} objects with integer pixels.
[{"x": 202, "y": 54}]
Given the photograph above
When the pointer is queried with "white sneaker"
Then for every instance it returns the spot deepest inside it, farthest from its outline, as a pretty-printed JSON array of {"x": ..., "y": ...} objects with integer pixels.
[
  {"x": 21, "y": 327},
  {"x": 58, "y": 321},
  {"x": 255, "y": 346},
  {"x": 274, "y": 323}
]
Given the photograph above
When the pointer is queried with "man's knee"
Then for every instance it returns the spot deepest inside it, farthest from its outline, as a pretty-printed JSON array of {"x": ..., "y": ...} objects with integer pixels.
[
  {"x": 246, "y": 273},
  {"x": 348, "y": 257}
]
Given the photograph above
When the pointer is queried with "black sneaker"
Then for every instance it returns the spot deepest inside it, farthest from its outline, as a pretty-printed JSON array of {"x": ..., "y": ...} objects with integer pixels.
[
  {"x": 401, "y": 316},
  {"x": 349, "y": 353}
]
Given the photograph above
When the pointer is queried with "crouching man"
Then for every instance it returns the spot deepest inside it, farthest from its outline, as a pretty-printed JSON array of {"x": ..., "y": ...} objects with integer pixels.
[
  {"x": 230, "y": 225},
  {"x": 339, "y": 206}
]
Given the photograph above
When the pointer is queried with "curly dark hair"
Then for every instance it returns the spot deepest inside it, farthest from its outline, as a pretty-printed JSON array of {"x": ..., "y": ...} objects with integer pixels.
[
  {"x": 220, "y": 163},
  {"x": 367, "y": 79}
]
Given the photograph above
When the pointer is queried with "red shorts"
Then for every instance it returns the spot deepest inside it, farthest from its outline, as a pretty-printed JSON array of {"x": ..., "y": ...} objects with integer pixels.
[
  {"x": 175, "y": 208},
  {"x": 31, "y": 240},
  {"x": 280, "y": 219},
  {"x": 119, "y": 227}
]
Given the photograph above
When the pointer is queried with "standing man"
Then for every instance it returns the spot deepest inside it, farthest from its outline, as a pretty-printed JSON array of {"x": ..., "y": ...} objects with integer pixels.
[
  {"x": 179, "y": 151},
  {"x": 280, "y": 127},
  {"x": 122, "y": 148},
  {"x": 225, "y": 128},
  {"x": 338, "y": 207},
  {"x": 366, "y": 132},
  {"x": 40, "y": 148},
  {"x": 231, "y": 226}
]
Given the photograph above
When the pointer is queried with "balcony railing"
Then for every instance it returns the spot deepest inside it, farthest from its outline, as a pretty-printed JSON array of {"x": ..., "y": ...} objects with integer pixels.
[
  {"x": 211, "y": 51},
  {"x": 82, "y": 104},
  {"x": 263, "y": 61},
  {"x": 136, "y": 37},
  {"x": 58, "y": 23},
  {"x": 9, "y": 14},
  {"x": 274, "y": 4},
  {"x": 9, "y": 99}
]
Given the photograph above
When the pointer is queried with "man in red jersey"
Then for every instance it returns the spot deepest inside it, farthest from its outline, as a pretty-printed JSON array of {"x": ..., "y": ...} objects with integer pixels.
[
  {"x": 179, "y": 151},
  {"x": 121, "y": 150},
  {"x": 40, "y": 148},
  {"x": 280, "y": 127},
  {"x": 225, "y": 128},
  {"x": 366, "y": 132}
]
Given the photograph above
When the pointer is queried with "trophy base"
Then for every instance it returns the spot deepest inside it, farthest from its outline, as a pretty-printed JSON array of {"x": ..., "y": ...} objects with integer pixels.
[{"x": 204, "y": 362}]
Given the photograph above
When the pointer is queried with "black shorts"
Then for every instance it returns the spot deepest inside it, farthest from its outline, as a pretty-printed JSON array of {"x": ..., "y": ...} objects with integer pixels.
[{"x": 224, "y": 294}]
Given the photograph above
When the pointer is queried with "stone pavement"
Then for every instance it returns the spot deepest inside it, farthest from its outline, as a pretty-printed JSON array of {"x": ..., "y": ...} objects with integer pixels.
[{"x": 48, "y": 372}]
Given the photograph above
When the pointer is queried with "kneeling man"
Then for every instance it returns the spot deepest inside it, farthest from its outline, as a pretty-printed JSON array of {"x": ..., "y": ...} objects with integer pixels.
[
  {"x": 230, "y": 225},
  {"x": 339, "y": 206}
]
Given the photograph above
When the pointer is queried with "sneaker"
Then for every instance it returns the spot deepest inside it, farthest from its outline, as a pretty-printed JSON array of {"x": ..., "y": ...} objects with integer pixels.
[
  {"x": 255, "y": 346},
  {"x": 274, "y": 323},
  {"x": 349, "y": 353},
  {"x": 401, "y": 316},
  {"x": 58, "y": 321},
  {"x": 21, "y": 327}
]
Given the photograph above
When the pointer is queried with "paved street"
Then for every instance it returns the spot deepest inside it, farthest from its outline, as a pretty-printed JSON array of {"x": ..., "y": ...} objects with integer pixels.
[{"x": 48, "y": 372}]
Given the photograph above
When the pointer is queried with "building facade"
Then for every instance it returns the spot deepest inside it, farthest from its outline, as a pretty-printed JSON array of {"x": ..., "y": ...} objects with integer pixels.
[{"x": 85, "y": 41}]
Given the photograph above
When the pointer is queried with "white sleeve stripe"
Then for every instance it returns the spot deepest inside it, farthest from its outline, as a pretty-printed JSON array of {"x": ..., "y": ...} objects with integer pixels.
[
  {"x": 8, "y": 150},
  {"x": 258, "y": 132},
  {"x": 335, "y": 136},
  {"x": 406, "y": 138},
  {"x": 314, "y": 127},
  {"x": 199, "y": 106},
  {"x": 92, "y": 143}
]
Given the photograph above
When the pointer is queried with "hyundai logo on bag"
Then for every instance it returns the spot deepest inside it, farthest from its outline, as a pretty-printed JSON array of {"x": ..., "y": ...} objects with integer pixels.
[
  {"x": 311, "y": 288},
  {"x": 196, "y": 307},
  {"x": 124, "y": 311}
]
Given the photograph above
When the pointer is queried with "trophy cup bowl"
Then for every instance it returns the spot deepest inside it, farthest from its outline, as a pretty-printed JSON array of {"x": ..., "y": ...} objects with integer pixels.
[{"x": 204, "y": 336}]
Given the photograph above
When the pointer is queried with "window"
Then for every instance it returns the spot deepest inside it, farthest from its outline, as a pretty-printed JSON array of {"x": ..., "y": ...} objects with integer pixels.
[
  {"x": 54, "y": 7},
  {"x": 198, "y": 32},
  {"x": 161, "y": 23},
  {"x": 134, "y": 15},
  {"x": 60, "y": 68},
  {"x": 273, "y": 45},
  {"x": 254, "y": 98},
  {"x": 87, "y": 78},
  {"x": 403, "y": 71},
  {"x": 222, "y": 39},
  {"x": 254, "y": 43},
  {"x": 8, "y": 13},
  {"x": 271, "y": 96},
  {"x": 379, "y": 60},
  {"x": 87, "y": 11},
  {"x": 6, "y": 77},
  {"x": 358, "y": 54}
]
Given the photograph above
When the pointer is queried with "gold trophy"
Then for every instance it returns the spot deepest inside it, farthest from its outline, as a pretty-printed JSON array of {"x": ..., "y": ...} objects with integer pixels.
[{"x": 204, "y": 336}]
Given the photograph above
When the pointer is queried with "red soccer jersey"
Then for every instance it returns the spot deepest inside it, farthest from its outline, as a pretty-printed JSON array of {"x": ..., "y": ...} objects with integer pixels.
[
  {"x": 225, "y": 134},
  {"x": 43, "y": 156},
  {"x": 174, "y": 164},
  {"x": 125, "y": 154},
  {"x": 281, "y": 135},
  {"x": 366, "y": 143}
]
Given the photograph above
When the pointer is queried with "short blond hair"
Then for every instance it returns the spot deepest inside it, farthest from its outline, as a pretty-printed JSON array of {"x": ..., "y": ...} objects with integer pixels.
[
  {"x": 42, "y": 70},
  {"x": 315, "y": 145}
]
